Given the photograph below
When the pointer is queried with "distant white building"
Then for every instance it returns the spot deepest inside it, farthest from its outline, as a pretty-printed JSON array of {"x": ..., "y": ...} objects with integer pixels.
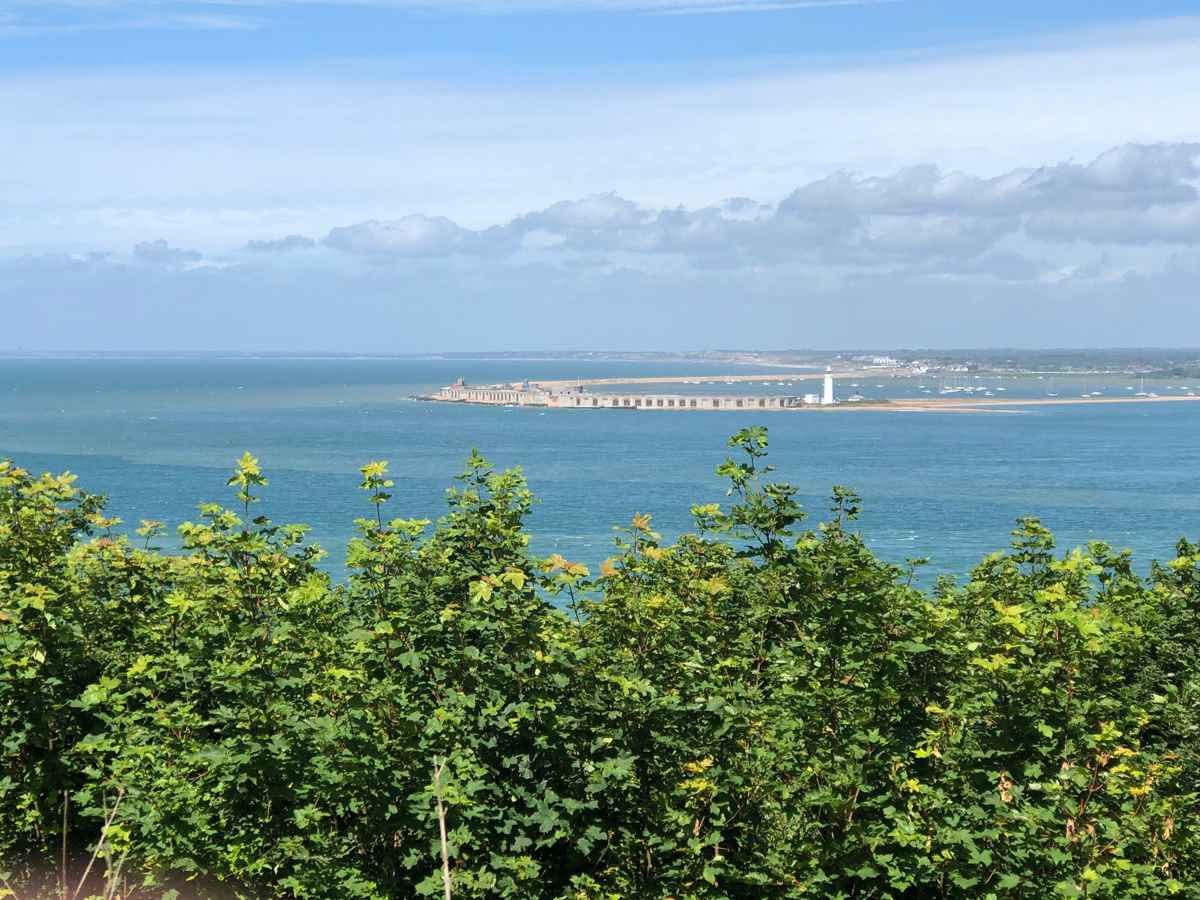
[{"x": 827, "y": 395}]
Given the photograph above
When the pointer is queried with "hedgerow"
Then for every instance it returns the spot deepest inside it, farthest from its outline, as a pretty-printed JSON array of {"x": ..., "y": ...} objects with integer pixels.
[{"x": 759, "y": 709}]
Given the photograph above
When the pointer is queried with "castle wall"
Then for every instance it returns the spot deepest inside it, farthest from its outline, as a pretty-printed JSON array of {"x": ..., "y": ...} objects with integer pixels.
[
  {"x": 671, "y": 402},
  {"x": 511, "y": 395},
  {"x": 498, "y": 396}
]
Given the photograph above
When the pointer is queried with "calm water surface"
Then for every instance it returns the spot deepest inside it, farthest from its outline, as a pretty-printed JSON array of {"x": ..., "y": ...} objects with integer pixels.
[{"x": 159, "y": 436}]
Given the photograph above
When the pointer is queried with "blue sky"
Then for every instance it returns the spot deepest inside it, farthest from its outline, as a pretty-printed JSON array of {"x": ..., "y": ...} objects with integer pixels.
[
  {"x": 525, "y": 34},
  {"x": 640, "y": 174}
]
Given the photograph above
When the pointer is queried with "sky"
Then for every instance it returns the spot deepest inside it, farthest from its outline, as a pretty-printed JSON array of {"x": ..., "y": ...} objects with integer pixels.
[{"x": 427, "y": 175}]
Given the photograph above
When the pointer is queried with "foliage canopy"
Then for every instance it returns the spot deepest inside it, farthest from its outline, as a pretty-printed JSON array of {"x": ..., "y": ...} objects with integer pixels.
[{"x": 753, "y": 711}]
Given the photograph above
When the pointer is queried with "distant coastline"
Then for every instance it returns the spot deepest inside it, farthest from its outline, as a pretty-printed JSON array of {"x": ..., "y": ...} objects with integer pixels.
[
  {"x": 1151, "y": 362},
  {"x": 932, "y": 405},
  {"x": 988, "y": 404},
  {"x": 572, "y": 394}
]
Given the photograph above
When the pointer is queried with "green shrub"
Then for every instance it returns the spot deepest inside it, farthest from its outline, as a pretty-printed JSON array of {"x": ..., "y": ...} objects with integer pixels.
[{"x": 756, "y": 710}]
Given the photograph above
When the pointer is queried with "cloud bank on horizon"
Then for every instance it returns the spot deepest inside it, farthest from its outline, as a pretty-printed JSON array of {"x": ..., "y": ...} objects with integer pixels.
[
  {"x": 1008, "y": 195},
  {"x": 1129, "y": 196},
  {"x": 1110, "y": 245}
]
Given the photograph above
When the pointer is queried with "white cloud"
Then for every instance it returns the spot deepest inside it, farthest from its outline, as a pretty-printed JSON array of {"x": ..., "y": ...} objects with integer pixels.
[
  {"x": 1133, "y": 176},
  {"x": 1178, "y": 224},
  {"x": 599, "y": 212},
  {"x": 976, "y": 196},
  {"x": 414, "y": 235},
  {"x": 281, "y": 245},
  {"x": 920, "y": 218},
  {"x": 160, "y": 253},
  {"x": 13, "y": 25},
  {"x": 761, "y": 6},
  {"x": 481, "y": 7},
  {"x": 217, "y": 158}
]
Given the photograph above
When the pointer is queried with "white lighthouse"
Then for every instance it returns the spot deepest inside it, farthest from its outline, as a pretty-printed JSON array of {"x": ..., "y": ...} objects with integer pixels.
[{"x": 827, "y": 394}]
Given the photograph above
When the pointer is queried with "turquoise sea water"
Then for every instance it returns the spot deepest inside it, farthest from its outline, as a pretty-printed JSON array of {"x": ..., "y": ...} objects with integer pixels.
[{"x": 159, "y": 436}]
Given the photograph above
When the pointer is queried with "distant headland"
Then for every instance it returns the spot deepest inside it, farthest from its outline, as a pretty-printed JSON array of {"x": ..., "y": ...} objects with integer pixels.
[
  {"x": 1150, "y": 362},
  {"x": 575, "y": 394}
]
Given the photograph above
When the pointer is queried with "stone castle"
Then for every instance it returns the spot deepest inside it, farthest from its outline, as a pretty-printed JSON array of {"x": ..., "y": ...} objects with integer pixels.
[{"x": 533, "y": 394}]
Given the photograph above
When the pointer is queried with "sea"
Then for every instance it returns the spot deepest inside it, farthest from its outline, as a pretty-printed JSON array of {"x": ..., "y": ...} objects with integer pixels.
[{"x": 159, "y": 436}]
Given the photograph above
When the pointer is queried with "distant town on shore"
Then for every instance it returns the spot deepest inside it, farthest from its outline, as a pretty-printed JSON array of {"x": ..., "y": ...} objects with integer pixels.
[
  {"x": 1144, "y": 361},
  {"x": 1147, "y": 361}
]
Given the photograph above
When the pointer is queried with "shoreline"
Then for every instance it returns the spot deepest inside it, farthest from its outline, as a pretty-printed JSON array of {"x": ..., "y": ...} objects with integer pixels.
[
  {"x": 954, "y": 405},
  {"x": 990, "y": 404}
]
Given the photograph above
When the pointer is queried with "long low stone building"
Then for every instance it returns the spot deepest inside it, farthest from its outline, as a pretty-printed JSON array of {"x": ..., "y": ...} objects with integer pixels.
[
  {"x": 671, "y": 402},
  {"x": 532, "y": 394}
]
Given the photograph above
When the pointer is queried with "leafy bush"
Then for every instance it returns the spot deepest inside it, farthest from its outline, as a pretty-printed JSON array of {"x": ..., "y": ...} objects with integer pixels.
[{"x": 756, "y": 710}]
